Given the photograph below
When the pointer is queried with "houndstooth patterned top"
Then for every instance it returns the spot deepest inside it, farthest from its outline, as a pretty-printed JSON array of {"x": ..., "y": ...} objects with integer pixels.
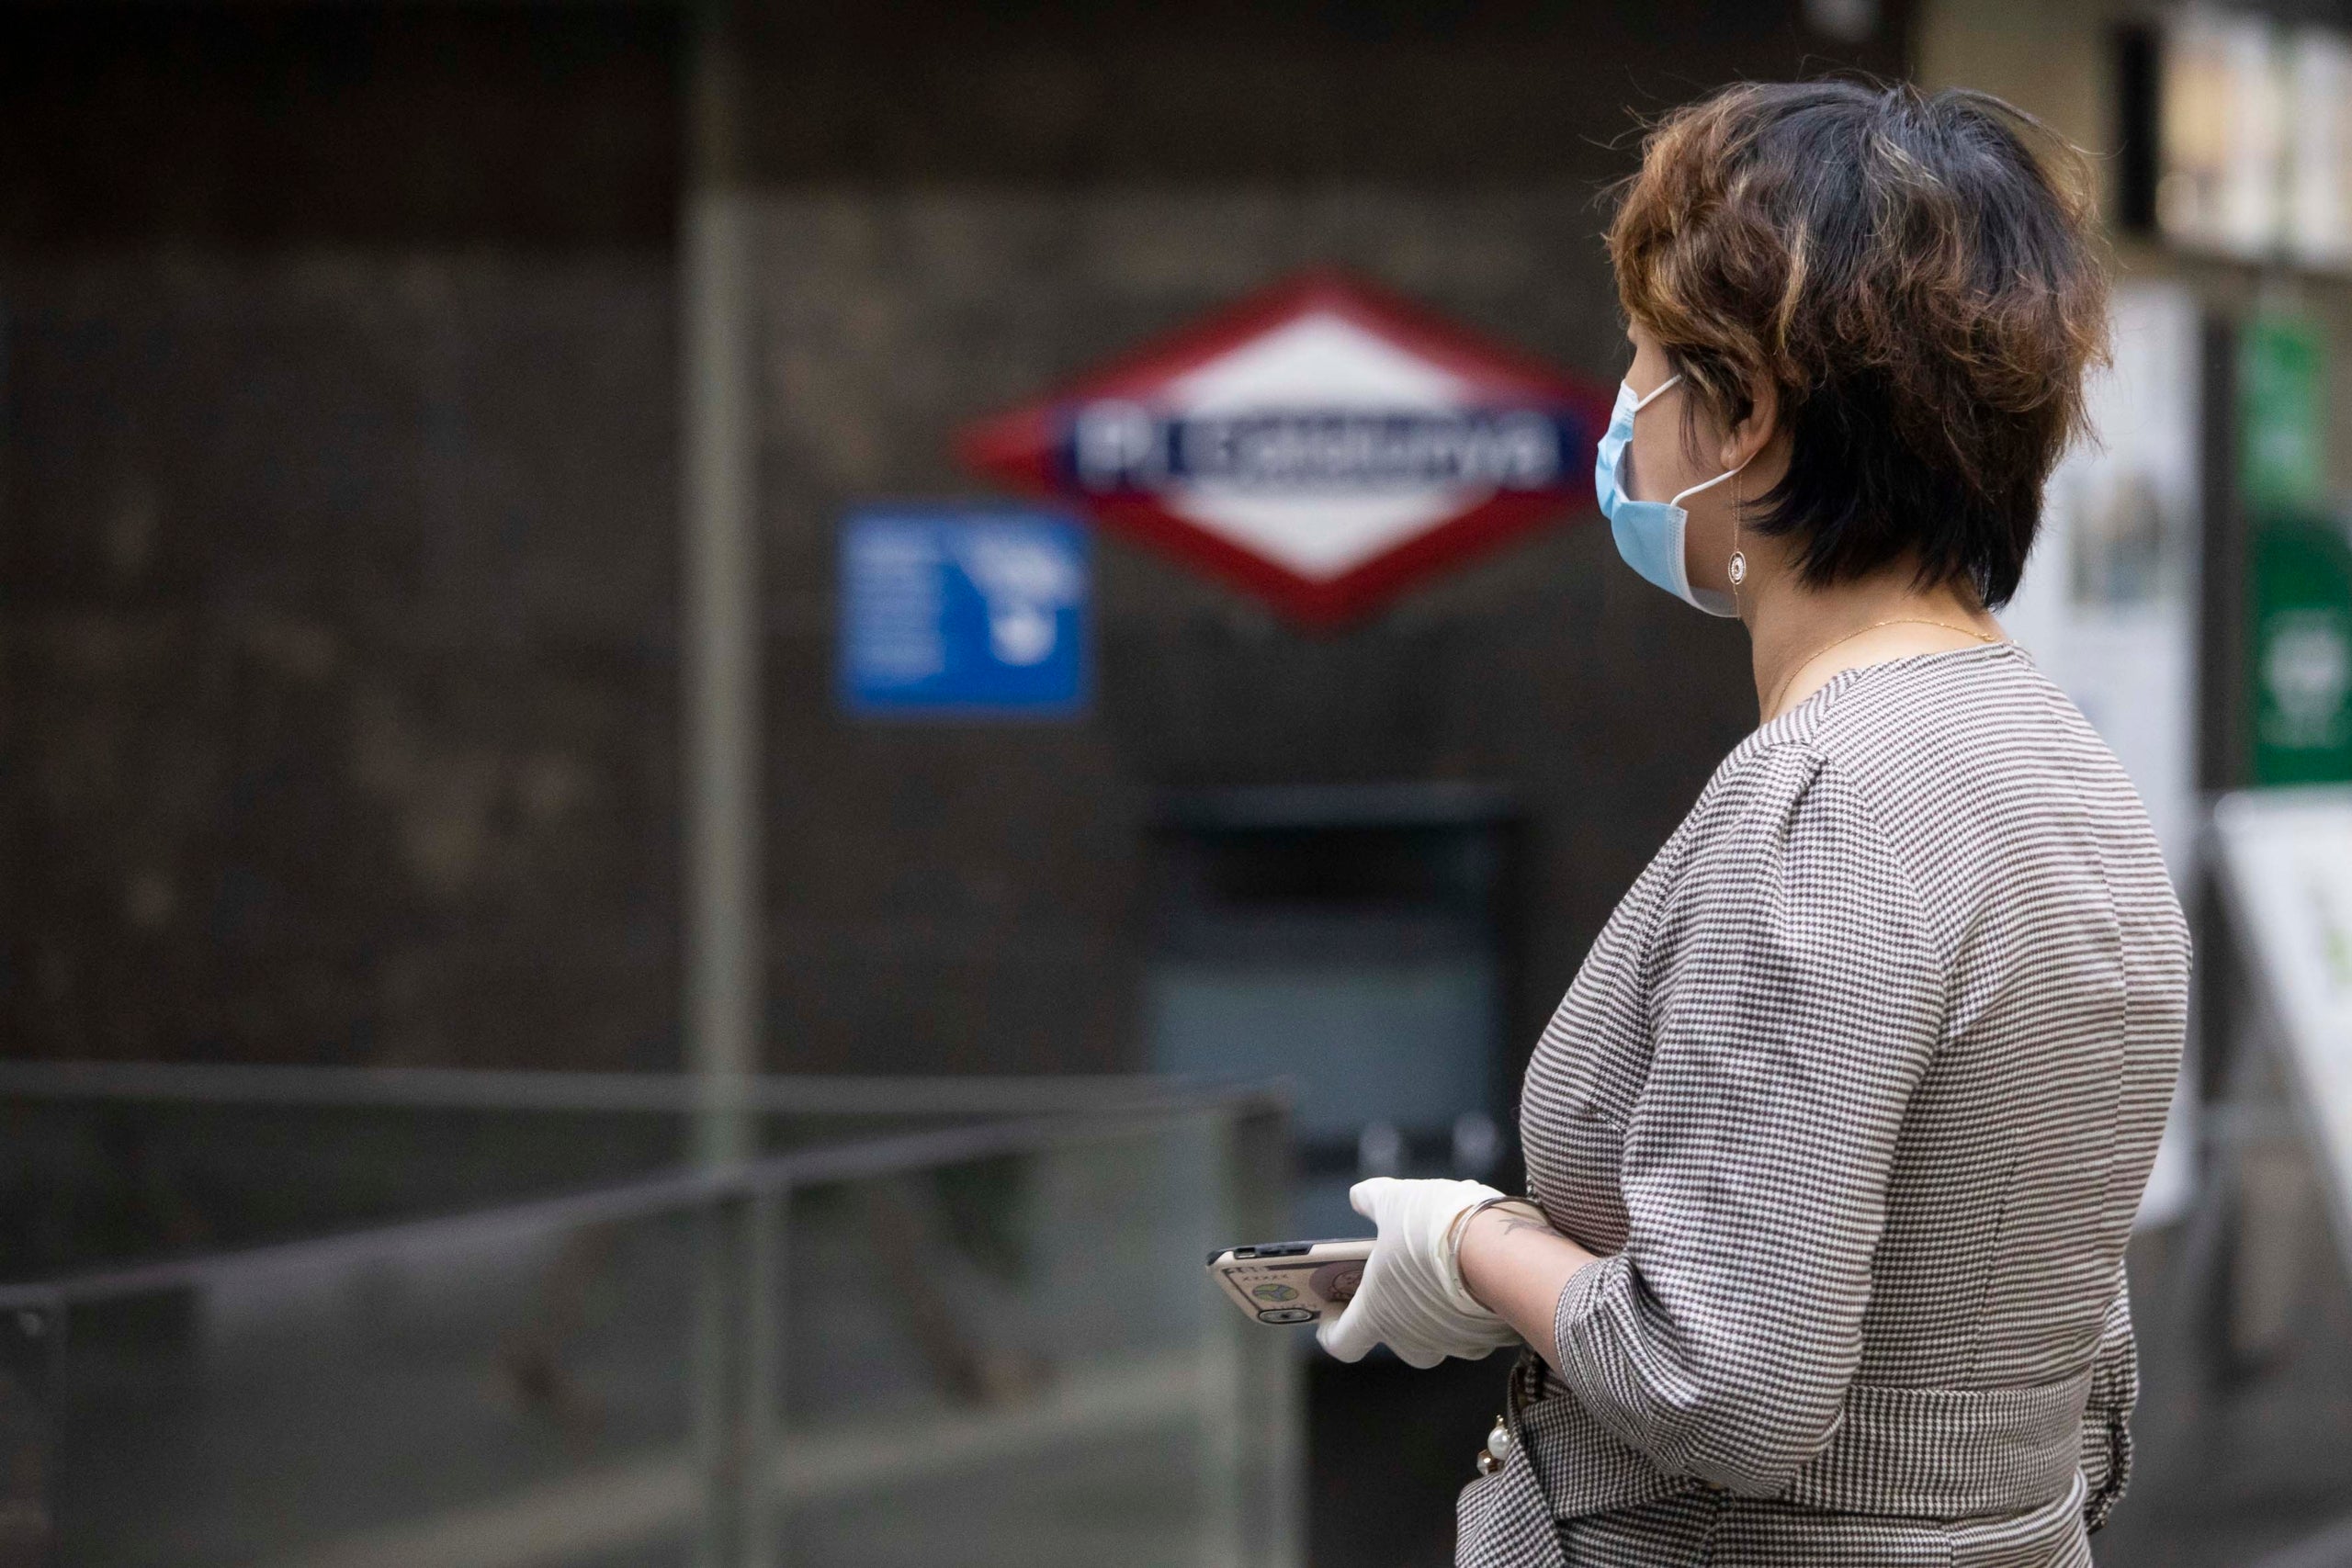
[{"x": 1856, "y": 1093}]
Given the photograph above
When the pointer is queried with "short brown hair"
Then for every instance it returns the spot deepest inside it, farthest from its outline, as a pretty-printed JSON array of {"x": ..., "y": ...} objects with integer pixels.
[{"x": 1920, "y": 288}]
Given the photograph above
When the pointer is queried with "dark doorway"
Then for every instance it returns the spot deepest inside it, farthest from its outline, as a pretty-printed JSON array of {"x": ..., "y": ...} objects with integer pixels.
[{"x": 1356, "y": 941}]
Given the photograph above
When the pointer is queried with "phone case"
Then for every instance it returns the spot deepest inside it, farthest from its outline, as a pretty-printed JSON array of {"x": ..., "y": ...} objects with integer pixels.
[{"x": 1291, "y": 1282}]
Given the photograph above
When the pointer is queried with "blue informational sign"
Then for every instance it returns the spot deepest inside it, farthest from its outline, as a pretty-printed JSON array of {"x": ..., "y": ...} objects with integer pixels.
[{"x": 962, "y": 610}]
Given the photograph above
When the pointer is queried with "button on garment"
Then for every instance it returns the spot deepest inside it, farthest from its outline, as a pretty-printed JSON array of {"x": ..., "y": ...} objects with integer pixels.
[{"x": 1857, "y": 1090}]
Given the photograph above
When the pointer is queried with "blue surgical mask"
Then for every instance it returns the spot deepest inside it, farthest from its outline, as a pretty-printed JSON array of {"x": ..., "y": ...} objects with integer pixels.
[{"x": 1649, "y": 533}]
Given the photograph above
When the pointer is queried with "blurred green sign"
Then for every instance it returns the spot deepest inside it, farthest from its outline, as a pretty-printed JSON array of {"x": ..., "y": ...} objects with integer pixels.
[
  {"x": 2301, "y": 627},
  {"x": 2282, "y": 411}
]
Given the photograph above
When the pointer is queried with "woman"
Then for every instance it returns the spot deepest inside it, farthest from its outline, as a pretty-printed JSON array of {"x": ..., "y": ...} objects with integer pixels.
[{"x": 1835, "y": 1144}]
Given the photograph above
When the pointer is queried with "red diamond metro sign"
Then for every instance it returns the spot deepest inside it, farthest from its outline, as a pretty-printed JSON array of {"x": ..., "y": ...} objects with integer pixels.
[{"x": 1323, "y": 445}]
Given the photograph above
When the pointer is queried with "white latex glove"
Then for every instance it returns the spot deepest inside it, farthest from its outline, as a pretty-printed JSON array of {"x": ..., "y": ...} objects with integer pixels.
[{"x": 1411, "y": 1298}]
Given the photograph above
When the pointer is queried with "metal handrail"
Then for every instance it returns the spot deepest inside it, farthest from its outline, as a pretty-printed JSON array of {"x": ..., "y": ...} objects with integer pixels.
[
  {"x": 532, "y": 1089},
  {"x": 635, "y": 1199}
]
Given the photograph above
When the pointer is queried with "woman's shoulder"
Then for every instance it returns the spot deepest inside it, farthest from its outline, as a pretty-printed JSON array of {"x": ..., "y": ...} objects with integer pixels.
[
  {"x": 1973, "y": 775},
  {"x": 1885, "y": 747},
  {"x": 1779, "y": 793},
  {"x": 1968, "y": 727}
]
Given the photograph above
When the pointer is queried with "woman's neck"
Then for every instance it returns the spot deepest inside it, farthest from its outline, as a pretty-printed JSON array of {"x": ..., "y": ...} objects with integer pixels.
[{"x": 1803, "y": 637}]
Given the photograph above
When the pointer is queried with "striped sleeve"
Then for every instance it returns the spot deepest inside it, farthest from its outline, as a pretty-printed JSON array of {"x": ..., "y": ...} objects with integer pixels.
[{"x": 1795, "y": 1000}]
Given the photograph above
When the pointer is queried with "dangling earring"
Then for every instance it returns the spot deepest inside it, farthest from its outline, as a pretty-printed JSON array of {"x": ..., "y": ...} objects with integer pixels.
[{"x": 1737, "y": 568}]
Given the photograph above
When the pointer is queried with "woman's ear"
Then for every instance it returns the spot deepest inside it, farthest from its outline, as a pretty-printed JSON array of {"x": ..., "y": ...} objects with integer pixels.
[{"x": 1753, "y": 434}]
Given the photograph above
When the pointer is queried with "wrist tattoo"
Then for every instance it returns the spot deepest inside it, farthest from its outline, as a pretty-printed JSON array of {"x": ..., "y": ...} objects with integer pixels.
[{"x": 1517, "y": 1214}]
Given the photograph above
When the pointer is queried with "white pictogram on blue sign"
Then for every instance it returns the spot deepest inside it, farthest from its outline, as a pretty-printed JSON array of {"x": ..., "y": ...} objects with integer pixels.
[{"x": 963, "y": 609}]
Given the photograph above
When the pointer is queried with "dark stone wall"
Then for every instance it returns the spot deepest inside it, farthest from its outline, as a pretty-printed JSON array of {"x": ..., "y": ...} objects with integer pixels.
[
  {"x": 262, "y": 124},
  {"x": 337, "y": 534},
  {"x": 336, "y": 685},
  {"x": 1442, "y": 94}
]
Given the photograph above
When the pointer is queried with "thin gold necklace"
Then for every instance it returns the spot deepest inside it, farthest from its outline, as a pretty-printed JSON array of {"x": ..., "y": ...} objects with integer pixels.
[{"x": 1772, "y": 709}]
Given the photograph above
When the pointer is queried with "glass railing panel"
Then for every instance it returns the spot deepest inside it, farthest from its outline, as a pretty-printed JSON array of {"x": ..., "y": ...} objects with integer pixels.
[
  {"x": 450, "y": 1396},
  {"x": 990, "y": 1339},
  {"x": 1017, "y": 1359}
]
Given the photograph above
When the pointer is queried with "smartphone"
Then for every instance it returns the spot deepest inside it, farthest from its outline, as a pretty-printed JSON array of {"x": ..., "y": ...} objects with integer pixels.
[{"x": 1291, "y": 1282}]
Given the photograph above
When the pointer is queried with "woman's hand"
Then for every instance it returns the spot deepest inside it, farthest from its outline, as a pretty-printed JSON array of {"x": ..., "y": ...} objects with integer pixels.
[{"x": 1412, "y": 1298}]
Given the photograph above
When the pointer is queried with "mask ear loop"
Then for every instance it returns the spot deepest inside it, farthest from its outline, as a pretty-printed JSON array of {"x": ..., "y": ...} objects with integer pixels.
[{"x": 1656, "y": 392}]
